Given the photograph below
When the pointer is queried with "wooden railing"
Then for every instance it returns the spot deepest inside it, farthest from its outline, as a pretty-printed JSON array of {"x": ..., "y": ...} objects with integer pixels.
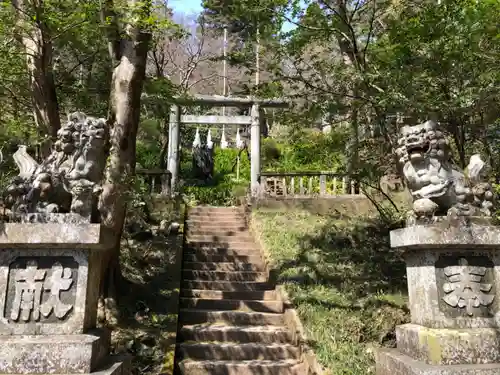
[
  {"x": 307, "y": 184},
  {"x": 158, "y": 180}
]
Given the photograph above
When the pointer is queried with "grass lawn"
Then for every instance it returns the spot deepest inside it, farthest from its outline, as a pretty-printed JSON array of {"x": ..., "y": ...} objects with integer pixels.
[{"x": 348, "y": 286}]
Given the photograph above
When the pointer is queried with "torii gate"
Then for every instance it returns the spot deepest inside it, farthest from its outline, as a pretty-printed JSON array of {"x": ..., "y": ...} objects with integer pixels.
[{"x": 177, "y": 120}]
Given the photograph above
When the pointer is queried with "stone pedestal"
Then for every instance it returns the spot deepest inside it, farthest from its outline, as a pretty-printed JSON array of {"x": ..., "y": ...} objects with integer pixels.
[
  {"x": 49, "y": 285},
  {"x": 453, "y": 270}
]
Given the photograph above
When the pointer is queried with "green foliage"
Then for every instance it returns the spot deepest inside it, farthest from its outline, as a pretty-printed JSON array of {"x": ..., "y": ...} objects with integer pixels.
[
  {"x": 225, "y": 160},
  {"x": 270, "y": 151},
  {"x": 306, "y": 151},
  {"x": 147, "y": 154},
  {"x": 441, "y": 58},
  {"x": 245, "y": 17},
  {"x": 225, "y": 193},
  {"x": 224, "y": 189},
  {"x": 148, "y": 145}
]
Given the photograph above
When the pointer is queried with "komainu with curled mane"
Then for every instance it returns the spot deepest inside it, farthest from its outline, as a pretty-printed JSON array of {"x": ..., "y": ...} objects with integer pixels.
[
  {"x": 439, "y": 188},
  {"x": 68, "y": 181}
]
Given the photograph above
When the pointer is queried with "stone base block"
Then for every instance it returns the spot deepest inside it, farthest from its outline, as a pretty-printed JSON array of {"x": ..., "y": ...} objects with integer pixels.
[
  {"x": 449, "y": 346},
  {"x": 393, "y": 362},
  {"x": 57, "y": 354},
  {"x": 115, "y": 365}
]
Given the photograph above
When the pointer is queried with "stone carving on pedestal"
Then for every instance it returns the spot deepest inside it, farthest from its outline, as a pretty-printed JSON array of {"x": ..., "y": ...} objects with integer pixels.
[
  {"x": 466, "y": 285},
  {"x": 51, "y": 255},
  {"x": 452, "y": 255},
  {"x": 37, "y": 291},
  {"x": 438, "y": 188},
  {"x": 67, "y": 181}
]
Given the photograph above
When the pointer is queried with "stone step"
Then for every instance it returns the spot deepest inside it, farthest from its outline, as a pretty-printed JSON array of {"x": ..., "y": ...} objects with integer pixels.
[
  {"x": 228, "y": 286},
  {"x": 212, "y": 239},
  {"x": 237, "y": 242},
  {"x": 200, "y": 256},
  {"x": 220, "y": 234},
  {"x": 240, "y": 334},
  {"x": 217, "y": 212},
  {"x": 190, "y": 248},
  {"x": 284, "y": 367},
  {"x": 236, "y": 318},
  {"x": 233, "y": 225},
  {"x": 232, "y": 304},
  {"x": 230, "y": 223},
  {"x": 223, "y": 276},
  {"x": 215, "y": 209},
  {"x": 224, "y": 266},
  {"x": 217, "y": 217},
  {"x": 238, "y": 352},
  {"x": 221, "y": 215},
  {"x": 268, "y": 295}
]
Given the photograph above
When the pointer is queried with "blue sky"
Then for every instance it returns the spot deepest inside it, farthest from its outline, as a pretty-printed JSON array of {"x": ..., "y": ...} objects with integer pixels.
[
  {"x": 185, "y": 6},
  {"x": 194, "y": 6}
]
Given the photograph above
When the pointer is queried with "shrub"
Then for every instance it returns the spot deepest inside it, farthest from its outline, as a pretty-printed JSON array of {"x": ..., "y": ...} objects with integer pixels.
[
  {"x": 223, "y": 190},
  {"x": 270, "y": 151},
  {"x": 306, "y": 151},
  {"x": 147, "y": 154}
]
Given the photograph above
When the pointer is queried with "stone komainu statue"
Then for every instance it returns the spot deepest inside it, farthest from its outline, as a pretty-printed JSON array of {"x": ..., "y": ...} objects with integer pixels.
[
  {"x": 68, "y": 181},
  {"x": 438, "y": 188}
]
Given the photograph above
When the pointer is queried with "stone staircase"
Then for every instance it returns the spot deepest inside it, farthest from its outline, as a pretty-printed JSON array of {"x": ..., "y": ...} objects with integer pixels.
[{"x": 231, "y": 318}]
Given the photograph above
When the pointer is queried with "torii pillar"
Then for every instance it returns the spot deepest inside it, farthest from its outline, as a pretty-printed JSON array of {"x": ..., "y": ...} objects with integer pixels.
[
  {"x": 255, "y": 150},
  {"x": 173, "y": 145}
]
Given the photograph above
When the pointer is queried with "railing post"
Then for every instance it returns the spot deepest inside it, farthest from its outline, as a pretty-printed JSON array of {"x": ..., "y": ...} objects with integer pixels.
[
  {"x": 263, "y": 186},
  {"x": 255, "y": 150},
  {"x": 322, "y": 184}
]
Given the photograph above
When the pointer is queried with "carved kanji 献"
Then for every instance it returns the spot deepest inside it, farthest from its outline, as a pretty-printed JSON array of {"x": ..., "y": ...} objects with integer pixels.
[
  {"x": 60, "y": 280},
  {"x": 30, "y": 285}
]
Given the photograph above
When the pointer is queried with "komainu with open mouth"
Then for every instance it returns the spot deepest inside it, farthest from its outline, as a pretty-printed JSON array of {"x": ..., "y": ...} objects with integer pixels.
[{"x": 438, "y": 188}]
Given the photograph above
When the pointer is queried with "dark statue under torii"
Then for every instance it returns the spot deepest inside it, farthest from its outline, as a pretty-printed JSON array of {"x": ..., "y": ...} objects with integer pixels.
[{"x": 68, "y": 181}]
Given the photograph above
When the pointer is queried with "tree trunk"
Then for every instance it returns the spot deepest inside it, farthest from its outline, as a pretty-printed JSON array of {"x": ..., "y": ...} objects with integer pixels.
[
  {"x": 39, "y": 58},
  {"x": 129, "y": 51},
  {"x": 457, "y": 130},
  {"x": 351, "y": 56}
]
